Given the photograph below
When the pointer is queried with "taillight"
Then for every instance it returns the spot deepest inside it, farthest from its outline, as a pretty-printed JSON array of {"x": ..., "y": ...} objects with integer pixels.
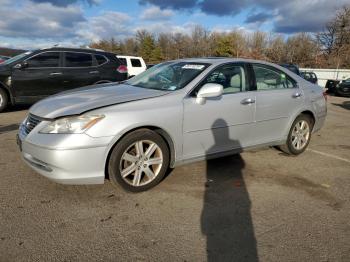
[
  {"x": 122, "y": 69},
  {"x": 325, "y": 95}
]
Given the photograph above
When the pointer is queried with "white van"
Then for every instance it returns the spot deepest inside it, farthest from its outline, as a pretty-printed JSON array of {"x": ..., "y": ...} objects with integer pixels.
[{"x": 135, "y": 64}]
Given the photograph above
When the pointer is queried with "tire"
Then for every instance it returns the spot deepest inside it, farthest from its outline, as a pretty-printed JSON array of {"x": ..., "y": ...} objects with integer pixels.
[
  {"x": 134, "y": 161},
  {"x": 300, "y": 133},
  {"x": 3, "y": 100}
]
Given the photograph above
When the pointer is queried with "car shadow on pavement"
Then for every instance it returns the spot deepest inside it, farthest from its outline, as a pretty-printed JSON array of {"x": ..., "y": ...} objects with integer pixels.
[
  {"x": 16, "y": 108},
  {"x": 8, "y": 128},
  {"x": 226, "y": 218},
  {"x": 345, "y": 105}
]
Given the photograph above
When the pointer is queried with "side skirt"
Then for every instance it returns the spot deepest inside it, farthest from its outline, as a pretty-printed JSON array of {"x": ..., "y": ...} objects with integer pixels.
[{"x": 225, "y": 153}]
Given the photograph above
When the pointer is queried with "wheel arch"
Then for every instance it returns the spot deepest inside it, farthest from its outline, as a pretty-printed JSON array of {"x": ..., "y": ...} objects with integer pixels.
[
  {"x": 311, "y": 115},
  {"x": 304, "y": 111},
  {"x": 164, "y": 134}
]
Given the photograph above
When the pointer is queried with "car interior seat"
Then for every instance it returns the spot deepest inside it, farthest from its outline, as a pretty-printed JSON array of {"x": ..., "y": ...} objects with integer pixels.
[{"x": 237, "y": 82}]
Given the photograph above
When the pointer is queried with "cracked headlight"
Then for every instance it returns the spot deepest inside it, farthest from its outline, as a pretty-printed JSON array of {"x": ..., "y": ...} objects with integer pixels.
[{"x": 71, "y": 125}]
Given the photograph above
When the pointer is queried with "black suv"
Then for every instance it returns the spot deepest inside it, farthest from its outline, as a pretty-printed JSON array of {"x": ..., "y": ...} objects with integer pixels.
[
  {"x": 31, "y": 76},
  {"x": 309, "y": 76}
]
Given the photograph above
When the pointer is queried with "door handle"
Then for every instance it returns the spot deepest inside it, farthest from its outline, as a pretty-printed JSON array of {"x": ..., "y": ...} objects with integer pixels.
[
  {"x": 248, "y": 101},
  {"x": 296, "y": 95},
  {"x": 55, "y": 74},
  {"x": 94, "y": 72}
]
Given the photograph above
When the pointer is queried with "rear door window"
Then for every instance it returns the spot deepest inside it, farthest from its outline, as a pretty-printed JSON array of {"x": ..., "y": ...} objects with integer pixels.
[
  {"x": 100, "y": 59},
  {"x": 47, "y": 59},
  {"x": 135, "y": 62},
  {"x": 268, "y": 78},
  {"x": 78, "y": 59}
]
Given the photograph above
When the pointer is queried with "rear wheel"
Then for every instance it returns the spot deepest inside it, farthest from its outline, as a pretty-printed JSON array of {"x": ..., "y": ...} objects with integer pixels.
[
  {"x": 3, "y": 100},
  {"x": 299, "y": 135},
  {"x": 139, "y": 161}
]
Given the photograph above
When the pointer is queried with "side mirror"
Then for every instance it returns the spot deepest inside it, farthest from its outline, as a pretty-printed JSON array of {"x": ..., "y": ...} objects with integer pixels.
[
  {"x": 21, "y": 65},
  {"x": 209, "y": 90}
]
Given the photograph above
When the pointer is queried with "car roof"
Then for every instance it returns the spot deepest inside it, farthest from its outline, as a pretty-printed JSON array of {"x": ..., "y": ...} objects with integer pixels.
[
  {"x": 74, "y": 49},
  {"x": 222, "y": 60},
  {"x": 129, "y": 56}
]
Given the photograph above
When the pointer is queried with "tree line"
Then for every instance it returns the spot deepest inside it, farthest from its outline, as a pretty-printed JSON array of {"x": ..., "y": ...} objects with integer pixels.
[{"x": 327, "y": 49}]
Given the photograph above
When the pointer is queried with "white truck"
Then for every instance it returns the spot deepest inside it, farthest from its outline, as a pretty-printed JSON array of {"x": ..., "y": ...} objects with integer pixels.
[{"x": 135, "y": 65}]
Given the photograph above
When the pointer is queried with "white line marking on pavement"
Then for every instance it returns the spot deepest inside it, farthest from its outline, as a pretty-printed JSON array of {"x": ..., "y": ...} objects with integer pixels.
[{"x": 329, "y": 155}]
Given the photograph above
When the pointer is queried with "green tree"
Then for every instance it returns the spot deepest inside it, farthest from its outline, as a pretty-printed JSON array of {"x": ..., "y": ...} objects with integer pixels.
[
  {"x": 224, "y": 46},
  {"x": 156, "y": 56}
]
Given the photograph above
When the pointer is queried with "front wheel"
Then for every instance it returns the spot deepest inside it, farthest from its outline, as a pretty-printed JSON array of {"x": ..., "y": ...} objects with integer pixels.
[
  {"x": 299, "y": 136},
  {"x": 3, "y": 100},
  {"x": 139, "y": 161}
]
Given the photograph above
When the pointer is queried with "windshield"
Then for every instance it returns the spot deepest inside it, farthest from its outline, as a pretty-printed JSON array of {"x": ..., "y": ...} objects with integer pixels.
[
  {"x": 15, "y": 58},
  {"x": 168, "y": 76}
]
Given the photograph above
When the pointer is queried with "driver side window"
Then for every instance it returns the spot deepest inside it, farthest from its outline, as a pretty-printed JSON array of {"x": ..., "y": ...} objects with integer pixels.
[
  {"x": 47, "y": 59},
  {"x": 231, "y": 77}
]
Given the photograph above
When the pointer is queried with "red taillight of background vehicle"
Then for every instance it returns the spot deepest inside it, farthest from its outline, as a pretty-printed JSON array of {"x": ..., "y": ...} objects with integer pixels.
[
  {"x": 325, "y": 96},
  {"x": 122, "y": 69}
]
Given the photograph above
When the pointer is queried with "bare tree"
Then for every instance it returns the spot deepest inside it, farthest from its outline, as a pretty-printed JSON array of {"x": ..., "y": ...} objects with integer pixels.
[
  {"x": 335, "y": 39},
  {"x": 330, "y": 48}
]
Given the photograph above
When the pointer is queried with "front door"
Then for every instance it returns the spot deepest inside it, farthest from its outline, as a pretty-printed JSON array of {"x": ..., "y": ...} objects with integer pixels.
[
  {"x": 42, "y": 76},
  {"x": 223, "y": 123}
]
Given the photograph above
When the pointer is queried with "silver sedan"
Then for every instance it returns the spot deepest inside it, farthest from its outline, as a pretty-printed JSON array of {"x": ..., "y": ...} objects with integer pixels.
[{"x": 174, "y": 113}]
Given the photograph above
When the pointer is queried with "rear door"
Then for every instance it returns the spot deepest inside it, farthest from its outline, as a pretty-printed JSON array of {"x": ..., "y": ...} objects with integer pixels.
[
  {"x": 79, "y": 70},
  {"x": 222, "y": 123},
  {"x": 278, "y": 98},
  {"x": 41, "y": 77}
]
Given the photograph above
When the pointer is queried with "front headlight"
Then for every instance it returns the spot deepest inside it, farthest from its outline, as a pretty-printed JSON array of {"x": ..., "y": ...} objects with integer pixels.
[{"x": 71, "y": 125}]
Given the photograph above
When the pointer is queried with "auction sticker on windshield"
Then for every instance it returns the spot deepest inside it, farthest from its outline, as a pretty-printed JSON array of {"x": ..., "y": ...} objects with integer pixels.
[{"x": 192, "y": 66}]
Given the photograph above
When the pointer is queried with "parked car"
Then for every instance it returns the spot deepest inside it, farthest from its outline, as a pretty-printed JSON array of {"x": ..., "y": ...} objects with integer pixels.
[
  {"x": 309, "y": 76},
  {"x": 3, "y": 58},
  {"x": 174, "y": 113},
  {"x": 136, "y": 65},
  {"x": 291, "y": 67},
  {"x": 343, "y": 88},
  {"x": 331, "y": 85},
  {"x": 31, "y": 76}
]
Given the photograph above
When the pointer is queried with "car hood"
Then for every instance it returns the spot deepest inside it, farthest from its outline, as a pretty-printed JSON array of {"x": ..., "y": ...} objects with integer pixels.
[{"x": 88, "y": 98}]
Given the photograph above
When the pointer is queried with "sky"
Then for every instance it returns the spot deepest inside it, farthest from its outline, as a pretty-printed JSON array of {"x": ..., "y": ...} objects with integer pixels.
[{"x": 31, "y": 24}]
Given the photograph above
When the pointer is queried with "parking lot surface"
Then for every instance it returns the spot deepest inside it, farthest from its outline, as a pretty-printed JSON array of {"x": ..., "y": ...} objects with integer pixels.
[{"x": 260, "y": 205}]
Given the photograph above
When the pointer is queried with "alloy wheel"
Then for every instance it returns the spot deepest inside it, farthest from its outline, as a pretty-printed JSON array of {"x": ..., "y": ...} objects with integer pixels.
[
  {"x": 300, "y": 134},
  {"x": 141, "y": 163}
]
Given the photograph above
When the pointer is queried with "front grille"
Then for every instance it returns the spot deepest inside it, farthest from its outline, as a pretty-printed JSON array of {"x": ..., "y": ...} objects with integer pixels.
[{"x": 31, "y": 122}]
